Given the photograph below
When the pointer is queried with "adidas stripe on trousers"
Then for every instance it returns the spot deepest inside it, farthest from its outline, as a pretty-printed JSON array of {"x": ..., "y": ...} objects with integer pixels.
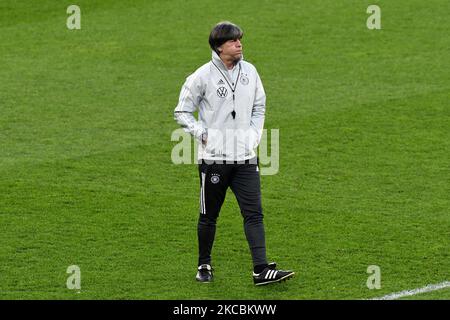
[{"x": 244, "y": 181}]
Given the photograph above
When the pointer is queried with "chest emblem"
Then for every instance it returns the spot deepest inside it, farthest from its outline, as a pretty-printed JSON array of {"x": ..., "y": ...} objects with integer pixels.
[
  {"x": 222, "y": 92},
  {"x": 244, "y": 80}
]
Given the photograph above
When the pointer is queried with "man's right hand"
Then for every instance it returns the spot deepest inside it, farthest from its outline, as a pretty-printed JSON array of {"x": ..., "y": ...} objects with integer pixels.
[{"x": 204, "y": 139}]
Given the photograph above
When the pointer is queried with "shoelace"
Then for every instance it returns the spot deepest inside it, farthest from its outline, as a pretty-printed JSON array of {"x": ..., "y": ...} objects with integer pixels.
[{"x": 205, "y": 268}]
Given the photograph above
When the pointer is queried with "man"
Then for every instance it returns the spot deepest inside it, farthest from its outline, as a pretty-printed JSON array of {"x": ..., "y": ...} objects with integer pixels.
[{"x": 230, "y": 99}]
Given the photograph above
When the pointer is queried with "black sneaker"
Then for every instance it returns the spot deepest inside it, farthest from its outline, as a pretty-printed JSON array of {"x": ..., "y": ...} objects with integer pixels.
[
  {"x": 204, "y": 273},
  {"x": 271, "y": 275}
]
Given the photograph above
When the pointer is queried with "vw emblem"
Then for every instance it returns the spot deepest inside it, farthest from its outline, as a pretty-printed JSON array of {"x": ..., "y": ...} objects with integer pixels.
[{"x": 222, "y": 92}]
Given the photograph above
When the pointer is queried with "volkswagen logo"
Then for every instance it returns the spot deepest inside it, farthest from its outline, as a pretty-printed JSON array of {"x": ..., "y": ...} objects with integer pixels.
[{"x": 222, "y": 92}]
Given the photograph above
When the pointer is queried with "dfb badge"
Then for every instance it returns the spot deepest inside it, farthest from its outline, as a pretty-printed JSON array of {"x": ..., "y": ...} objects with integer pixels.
[
  {"x": 244, "y": 79},
  {"x": 215, "y": 178}
]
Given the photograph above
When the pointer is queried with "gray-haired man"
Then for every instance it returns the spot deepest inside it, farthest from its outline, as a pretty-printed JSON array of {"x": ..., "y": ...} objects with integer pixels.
[{"x": 230, "y": 99}]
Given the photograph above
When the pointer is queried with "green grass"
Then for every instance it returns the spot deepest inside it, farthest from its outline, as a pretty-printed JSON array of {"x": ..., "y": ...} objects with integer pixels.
[{"x": 86, "y": 174}]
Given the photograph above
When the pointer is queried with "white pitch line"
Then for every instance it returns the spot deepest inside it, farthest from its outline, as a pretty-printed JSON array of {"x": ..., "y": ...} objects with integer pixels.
[{"x": 406, "y": 293}]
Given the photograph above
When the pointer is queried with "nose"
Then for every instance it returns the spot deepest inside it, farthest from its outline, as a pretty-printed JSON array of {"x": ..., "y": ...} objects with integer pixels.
[{"x": 238, "y": 43}]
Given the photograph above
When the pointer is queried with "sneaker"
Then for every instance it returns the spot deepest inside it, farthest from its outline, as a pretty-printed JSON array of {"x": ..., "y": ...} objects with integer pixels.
[
  {"x": 204, "y": 273},
  {"x": 271, "y": 275}
]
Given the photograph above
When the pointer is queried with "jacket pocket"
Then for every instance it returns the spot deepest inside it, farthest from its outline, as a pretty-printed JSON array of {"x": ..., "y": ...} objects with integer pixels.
[
  {"x": 246, "y": 142},
  {"x": 251, "y": 140},
  {"x": 214, "y": 142}
]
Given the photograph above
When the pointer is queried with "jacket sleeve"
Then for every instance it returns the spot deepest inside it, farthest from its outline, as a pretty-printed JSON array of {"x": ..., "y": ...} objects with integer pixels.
[
  {"x": 190, "y": 97},
  {"x": 258, "y": 111}
]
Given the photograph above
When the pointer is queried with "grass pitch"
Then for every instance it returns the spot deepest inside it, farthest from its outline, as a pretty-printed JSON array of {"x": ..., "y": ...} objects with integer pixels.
[{"x": 87, "y": 178}]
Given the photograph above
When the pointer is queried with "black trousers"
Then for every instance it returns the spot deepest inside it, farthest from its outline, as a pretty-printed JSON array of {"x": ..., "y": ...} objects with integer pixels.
[{"x": 244, "y": 181}]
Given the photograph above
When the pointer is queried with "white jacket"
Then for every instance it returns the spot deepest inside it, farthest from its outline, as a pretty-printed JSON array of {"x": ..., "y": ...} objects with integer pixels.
[{"x": 216, "y": 92}]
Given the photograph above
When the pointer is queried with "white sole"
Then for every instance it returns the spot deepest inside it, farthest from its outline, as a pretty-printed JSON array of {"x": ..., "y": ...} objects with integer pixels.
[
  {"x": 290, "y": 275},
  {"x": 198, "y": 280}
]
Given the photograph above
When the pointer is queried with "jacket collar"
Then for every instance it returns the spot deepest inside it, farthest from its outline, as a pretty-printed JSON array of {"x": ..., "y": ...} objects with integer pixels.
[{"x": 219, "y": 63}]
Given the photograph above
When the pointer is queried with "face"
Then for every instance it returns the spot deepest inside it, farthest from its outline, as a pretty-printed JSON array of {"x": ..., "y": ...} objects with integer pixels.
[{"x": 231, "y": 49}]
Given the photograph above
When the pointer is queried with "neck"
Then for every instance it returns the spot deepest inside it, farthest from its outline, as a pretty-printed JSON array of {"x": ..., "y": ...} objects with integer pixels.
[{"x": 228, "y": 62}]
